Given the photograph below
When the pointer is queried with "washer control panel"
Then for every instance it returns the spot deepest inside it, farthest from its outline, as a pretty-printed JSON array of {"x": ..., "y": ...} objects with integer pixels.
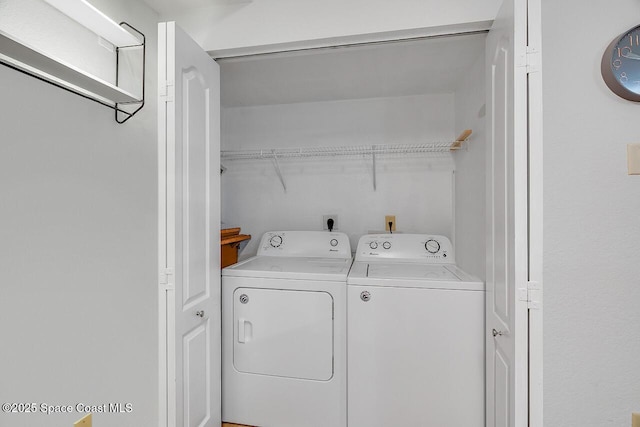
[
  {"x": 305, "y": 244},
  {"x": 426, "y": 248}
]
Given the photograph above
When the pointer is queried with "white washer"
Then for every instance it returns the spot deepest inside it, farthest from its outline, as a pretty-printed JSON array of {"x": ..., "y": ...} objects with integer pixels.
[
  {"x": 284, "y": 332},
  {"x": 415, "y": 335}
]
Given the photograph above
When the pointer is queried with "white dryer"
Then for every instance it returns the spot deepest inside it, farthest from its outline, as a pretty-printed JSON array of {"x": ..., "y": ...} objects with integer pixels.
[
  {"x": 284, "y": 332},
  {"x": 415, "y": 335}
]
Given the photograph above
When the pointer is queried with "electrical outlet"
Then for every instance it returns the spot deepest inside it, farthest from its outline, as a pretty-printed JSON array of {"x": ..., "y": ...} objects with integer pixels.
[
  {"x": 326, "y": 218},
  {"x": 83, "y": 422},
  {"x": 633, "y": 159},
  {"x": 390, "y": 219},
  {"x": 635, "y": 419}
]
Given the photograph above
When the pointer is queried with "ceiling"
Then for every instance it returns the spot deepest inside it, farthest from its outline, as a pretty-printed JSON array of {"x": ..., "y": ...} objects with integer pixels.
[
  {"x": 434, "y": 65},
  {"x": 167, "y": 7}
]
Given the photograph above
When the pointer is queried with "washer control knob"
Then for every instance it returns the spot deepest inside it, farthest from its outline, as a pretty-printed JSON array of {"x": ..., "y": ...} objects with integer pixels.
[
  {"x": 386, "y": 245},
  {"x": 365, "y": 296},
  {"x": 432, "y": 246},
  {"x": 334, "y": 242},
  {"x": 275, "y": 241},
  {"x": 373, "y": 245}
]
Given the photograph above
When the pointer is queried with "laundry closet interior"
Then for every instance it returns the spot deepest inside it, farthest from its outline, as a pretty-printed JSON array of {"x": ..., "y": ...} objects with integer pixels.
[{"x": 358, "y": 132}]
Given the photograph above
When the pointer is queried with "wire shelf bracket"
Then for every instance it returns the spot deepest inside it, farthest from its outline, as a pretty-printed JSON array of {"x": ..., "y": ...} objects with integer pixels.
[
  {"x": 117, "y": 108},
  {"x": 278, "y": 171}
]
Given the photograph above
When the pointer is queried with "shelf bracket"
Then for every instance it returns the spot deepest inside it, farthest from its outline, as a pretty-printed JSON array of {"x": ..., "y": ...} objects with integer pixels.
[
  {"x": 373, "y": 158},
  {"x": 127, "y": 114},
  {"x": 457, "y": 144},
  {"x": 278, "y": 171}
]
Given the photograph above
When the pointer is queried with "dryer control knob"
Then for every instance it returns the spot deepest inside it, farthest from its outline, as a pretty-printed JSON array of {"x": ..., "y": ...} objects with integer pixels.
[
  {"x": 432, "y": 246},
  {"x": 373, "y": 245},
  {"x": 365, "y": 296},
  {"x": 334, "y": 242},
  {"x": 386, "y": 245}
]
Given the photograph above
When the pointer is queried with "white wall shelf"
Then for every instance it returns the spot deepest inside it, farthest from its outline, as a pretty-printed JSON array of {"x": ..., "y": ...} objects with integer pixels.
[
  {"x": 86, "y": 14},
  {"x": 32, "y": 61},
  {"x": 372, "y": 150}
]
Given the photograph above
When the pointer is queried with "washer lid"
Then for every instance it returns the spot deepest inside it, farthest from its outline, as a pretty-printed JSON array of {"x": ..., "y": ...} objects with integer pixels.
[
  {"x": 307, "y": 268},
  {"x": 411, "y": 271},
  {"x": 412, "y": 275}
]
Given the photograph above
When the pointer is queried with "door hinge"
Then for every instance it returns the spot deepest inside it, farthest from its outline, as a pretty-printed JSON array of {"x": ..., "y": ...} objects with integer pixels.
[
  {"x": 533, "y": 60},
  {"x": 532, "y": 295},
  {"x": 166, "y": 278},
  {"x": 165, "y": 91}
]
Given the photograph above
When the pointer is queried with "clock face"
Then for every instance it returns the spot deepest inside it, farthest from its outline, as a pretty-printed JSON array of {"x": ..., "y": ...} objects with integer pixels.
[{"x": 621, "y": 65}]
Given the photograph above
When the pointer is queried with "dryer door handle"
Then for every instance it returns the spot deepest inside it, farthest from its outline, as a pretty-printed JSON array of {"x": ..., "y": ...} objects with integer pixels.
[
  {"x": 245, "y": 330},
  {"x": 241, "y": 332}
]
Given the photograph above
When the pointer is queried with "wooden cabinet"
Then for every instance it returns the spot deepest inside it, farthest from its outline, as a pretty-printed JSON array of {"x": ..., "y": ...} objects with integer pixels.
[{"x": 230, "y": 239}]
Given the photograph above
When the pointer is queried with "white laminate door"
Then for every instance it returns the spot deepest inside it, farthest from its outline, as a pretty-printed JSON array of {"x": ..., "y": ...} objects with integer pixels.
[{"x": 189, "y": 220}]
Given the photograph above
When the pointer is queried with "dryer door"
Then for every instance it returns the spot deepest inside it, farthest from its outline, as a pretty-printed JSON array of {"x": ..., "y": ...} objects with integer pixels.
[{"x": 284, "y": 333}]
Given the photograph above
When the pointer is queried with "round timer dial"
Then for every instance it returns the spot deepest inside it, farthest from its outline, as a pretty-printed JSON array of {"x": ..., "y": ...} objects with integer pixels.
[
  {"x": 432, "y": 246},
  {"x": 620, "y": 65},
  {"x": 275, "y": 241}
]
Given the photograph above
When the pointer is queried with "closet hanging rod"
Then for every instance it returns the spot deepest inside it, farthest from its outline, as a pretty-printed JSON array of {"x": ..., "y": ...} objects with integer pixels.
[
  {"x": 231, "y": 54},
  {"x": 378, "y": 149}
]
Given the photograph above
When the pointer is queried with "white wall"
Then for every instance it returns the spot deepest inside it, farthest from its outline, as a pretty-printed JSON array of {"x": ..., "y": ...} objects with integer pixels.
[
  {"x": 470, "y": 215},
  {"x": 78, "y": 248},
  {"x": 591, "y": 222},
  {"x": 417, "y": 189},
  {"x": 234, "y": 24}
]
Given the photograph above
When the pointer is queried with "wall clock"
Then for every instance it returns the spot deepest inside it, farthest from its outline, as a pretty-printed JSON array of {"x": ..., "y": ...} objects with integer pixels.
[{"x": 621, "y": 65}]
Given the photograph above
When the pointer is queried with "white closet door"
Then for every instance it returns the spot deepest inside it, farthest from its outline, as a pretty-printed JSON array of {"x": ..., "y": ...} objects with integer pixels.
[
  {"x": 507, "y": 219},
  {"x": 189, "y": 161}
]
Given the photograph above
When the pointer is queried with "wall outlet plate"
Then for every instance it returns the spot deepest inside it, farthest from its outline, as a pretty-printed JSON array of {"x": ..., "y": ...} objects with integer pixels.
[
  {"x": 83, "y": 422},
  {"x": 633, "y": 159},
  {"x": 326, "y": 218},
  {"x": 390, "y": 219}
]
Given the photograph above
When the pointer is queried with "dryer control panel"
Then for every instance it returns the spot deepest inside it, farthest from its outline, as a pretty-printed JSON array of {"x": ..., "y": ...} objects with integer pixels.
[
  {"x": 424, "y": 248},
  {"x": 305, "y": 244}
]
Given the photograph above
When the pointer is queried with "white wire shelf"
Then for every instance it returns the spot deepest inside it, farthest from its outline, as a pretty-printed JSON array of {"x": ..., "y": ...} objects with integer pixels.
[
  {"x": 283, "y": 153},
  {"x": 372, "y": 150},
  {"x": 380, "y": 149}
]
